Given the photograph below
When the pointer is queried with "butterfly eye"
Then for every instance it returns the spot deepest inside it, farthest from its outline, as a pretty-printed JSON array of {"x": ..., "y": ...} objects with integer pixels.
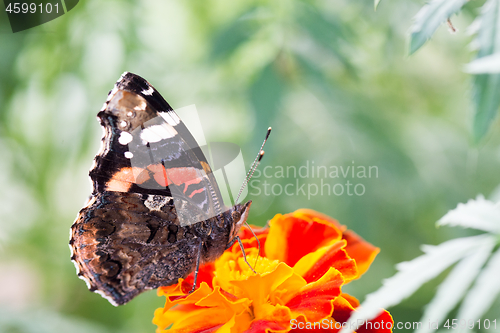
[{"x": 236, "y": 215}]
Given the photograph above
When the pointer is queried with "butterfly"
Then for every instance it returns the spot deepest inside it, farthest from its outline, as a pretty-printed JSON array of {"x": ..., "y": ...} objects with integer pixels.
[{"x": 156, "y": 212}]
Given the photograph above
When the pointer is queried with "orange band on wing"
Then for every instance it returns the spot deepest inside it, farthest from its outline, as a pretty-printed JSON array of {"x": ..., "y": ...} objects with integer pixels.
[
  {"x": 159, "y": 174},
  {"x": 182, "y": 175},
  {"x": 125, "y": 177}
]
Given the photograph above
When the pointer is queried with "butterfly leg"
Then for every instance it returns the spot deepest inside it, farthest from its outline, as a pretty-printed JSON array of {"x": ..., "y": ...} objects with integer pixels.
[
  {"x": 197, "y": 266},
  {"x": 244, "y": 254}
]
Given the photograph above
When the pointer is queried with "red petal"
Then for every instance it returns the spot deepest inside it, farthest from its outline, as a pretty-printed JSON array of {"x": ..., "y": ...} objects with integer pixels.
[
  {"x": 312, "y": 214},
  {"x": 343, "y": 307},
  {"x": 290, "y": 238},
  {"x": 360, "y": 250},
  {"x": 335, "y": 257},
  {"x": 381, "y": 324},
  {"x": 315, "y": 300},
  {"x": 245, "y": 232},
  {"x": 207, "y": 330},
  {"x": 205, "y": 274},
  {"x": 249, "y": 240},
  {"x": 264, "y": 326}
]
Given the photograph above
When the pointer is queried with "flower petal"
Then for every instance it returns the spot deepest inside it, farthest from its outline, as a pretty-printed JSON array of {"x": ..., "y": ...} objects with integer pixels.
[
  {"x": 315, "y": 300},
  {"x": 178, "y": 296},
  {"x": 313, "y": 265},
  {"x": 360, "y": 250},
  {"x": 205, "y": 274},
  {"x": 221, "y": 299},
  {"x": 345, "y": 304},
  {"x": 264, "y": 325},
  {"x": 259, "y": 287},
  {"x": 312, "y": 214},
  {"x": 194, "y": 320},
  {"x": 383, "y": 323},
  {"x": 291, "y": 237}
]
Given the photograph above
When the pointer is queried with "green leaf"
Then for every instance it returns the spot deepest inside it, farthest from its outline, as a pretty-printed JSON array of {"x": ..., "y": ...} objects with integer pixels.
[
  {"x": 429, "y": 18},
  {"x": 480, "y": 214},
  {"x": 486, "y": 86},
  {"x": 413, "y": 274},
  {"x": 484, "y": 292},
  {"x": 454, "y": 287},
  {"x": 375, "y": 5},
  {"x": 229, "y": 38},
  {"x": 489, "y": 64}
]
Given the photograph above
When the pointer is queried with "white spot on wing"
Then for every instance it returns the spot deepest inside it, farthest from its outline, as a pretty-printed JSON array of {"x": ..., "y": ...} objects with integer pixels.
[
  {"x": 156, "y": 133},
  {"x": 128, "y": 154},
  {"x": 148, "y": 91},
  {"x": 156, "y": 202},
  {"x": 125, "y": 138}
]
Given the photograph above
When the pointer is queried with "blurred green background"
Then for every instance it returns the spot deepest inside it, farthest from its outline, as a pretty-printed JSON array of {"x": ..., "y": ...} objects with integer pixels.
[{"x": 331, "y": 77}]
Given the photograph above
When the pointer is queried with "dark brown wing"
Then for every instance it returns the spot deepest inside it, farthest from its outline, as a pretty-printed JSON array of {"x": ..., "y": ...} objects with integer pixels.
[{"x": 124, "y": 243}]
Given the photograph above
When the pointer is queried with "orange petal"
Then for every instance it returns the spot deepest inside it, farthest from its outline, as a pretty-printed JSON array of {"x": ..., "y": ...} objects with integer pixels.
[
  {"x": 178, "y": 296},
  {"x": 343, "y": 306},
  {"x": 225, "y": 301},
  {"x": 259, "y": 287},
  {"x": 290, "y": 237},
  {"x": 312, "y": 214},
  {"x": 239, "y": 323},
  {"x": 353, "y": 301},
  {"x": 313, "y": 265},
  {"x": 360, "y": 250},
  {"x": 195, "y": 320},
  {"x": 199, "y": 314},
  {"x": 315, "y": 300}
]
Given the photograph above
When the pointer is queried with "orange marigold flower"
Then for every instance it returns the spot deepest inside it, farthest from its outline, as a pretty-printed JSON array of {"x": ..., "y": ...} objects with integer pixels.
[{"x": 305, "y": 259}]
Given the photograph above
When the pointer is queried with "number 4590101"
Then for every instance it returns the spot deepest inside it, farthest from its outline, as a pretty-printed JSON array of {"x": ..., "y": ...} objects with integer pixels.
[{"x": 32, "y": 8}]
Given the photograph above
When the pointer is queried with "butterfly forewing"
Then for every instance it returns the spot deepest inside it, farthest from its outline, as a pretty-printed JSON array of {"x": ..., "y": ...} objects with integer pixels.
[{"x": 153, "y": 154}]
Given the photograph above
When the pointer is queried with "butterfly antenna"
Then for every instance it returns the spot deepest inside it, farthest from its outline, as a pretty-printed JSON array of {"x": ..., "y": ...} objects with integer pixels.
[{"x": 254, "y": 166}]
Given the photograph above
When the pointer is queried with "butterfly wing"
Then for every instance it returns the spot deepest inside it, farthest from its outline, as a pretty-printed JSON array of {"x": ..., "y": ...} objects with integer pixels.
[
  {"x": 148, "y": 149},
  {"x": 122, "y": 247}
]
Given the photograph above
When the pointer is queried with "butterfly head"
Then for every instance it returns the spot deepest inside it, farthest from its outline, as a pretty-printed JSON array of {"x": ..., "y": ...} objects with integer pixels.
[{"x": 239, "y": 215}]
